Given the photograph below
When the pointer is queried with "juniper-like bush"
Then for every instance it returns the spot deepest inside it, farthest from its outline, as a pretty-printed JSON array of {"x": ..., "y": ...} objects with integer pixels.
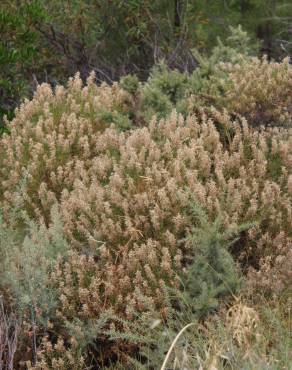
[
  {"x": 130, "y": 83},
  {"x": 211, "y": 270},
  {"x": 230, "y": 78}
]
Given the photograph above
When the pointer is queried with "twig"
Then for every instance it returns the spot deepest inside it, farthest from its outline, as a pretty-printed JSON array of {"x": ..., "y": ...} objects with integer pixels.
[{"x": 173, "y": 344}]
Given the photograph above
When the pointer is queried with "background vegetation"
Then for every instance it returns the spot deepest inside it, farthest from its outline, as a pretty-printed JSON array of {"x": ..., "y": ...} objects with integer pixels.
[
  {"x": 145, "y": 202},
  {"x": 49, "y": 41}
]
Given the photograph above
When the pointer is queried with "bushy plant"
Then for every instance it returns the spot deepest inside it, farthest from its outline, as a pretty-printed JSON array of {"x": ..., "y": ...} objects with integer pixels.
[
  {"x": 104, "y": 253},
  {"x": 250, "y": 87},
  {"x": 57, "y": 119},
  {"x": 166, "y": 89},
  {"x": 244, "y": 85},
  {"x": 130, "y": 83},
  {"x": 163, "y": 91},
  {"x": 18, "y": 50},
  {"x": 211, "y": 272},
  {"x": 28, "y": 257},
  {"x": 259, "y": 91},
  {"x": 206, "y": 279},
  {"x": 122, "y": 197},
  {"x": 229, "y": 78},
  {"x": 27, "y": 260},
  {"x": 108, "y": 151},
  {"x": 123, "y": 184}
]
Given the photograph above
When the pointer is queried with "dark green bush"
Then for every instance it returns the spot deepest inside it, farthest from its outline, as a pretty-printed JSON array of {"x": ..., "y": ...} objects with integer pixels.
[{"x": 19, "y": 44}]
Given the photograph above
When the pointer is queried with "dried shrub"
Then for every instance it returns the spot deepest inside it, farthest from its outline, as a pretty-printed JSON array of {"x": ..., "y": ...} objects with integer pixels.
[
  {"x": 59, "y": 129},
  {"x": 115, "y": 187},
  {"x": 123, "y": 199},
  {"x": 254, "y": 88},
  {"x": 137, "y": 188},
  {"x": 261, "y": 92}
]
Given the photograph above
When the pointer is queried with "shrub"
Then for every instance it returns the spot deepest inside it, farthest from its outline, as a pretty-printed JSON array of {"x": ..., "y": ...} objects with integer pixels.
[
  {"x": 102, "y": 177},
  {"x": 60, "y": 128},
  {"x": 259, "y": 91},
  {"x": 227, "y": 79},
  {"x": 112, "y": 186},
  {"x": 28, "y": 256},
  {"x": 166, "y": 89},
  {"x": 250, "y": 87},
  {"x": 123, "y": 193},
  {"x": 130, "y": 83},
  {"x": 122, "y": 197},
  {"x": 244, "y": 85},
  {"x": 211, "y": 272},
  {"x": 90, "y": 331}
]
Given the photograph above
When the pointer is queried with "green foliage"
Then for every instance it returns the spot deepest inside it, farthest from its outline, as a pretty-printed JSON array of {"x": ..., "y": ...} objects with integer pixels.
[
  {"x": 27, "y": 257},
  {"x": 265, "y": 20},
  {"x": 210, "y": 275},
  {"x": 210, "y": 81},
  {"x": 120, "y": 120},
  {"x": 166, "y": 89},
  {"x": 18, "y": 51},
  {"x": 163, "y": 90},
  {"x": 236, "y": 46},
  {"x": 50, "y": 41},
  {"x": 38, "y": 41},
  {"x": 212, "y": 272},
  {"x": 130, "y": 83}
]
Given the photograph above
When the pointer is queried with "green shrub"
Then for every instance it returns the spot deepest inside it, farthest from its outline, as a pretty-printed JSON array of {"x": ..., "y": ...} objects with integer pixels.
[
  {"x": 130, "y": 83},
  {"x": 18, "y": 50},
  {"x": 166, "y": 89},
  {"x": 212, "y": 272},
  {"x": 28, "y": 256}
]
